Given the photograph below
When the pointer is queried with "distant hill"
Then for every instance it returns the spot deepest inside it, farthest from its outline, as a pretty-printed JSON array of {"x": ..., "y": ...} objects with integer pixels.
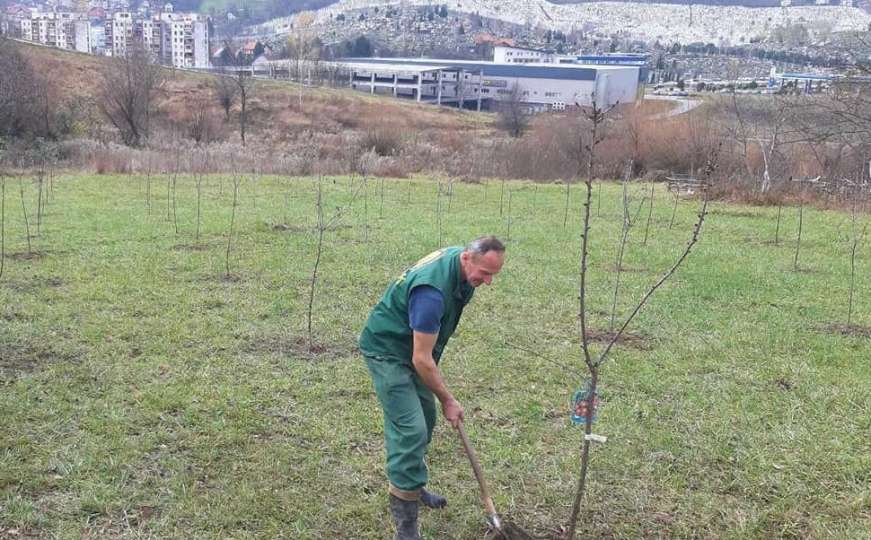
[
  {"x": 257, "y": 8},
  {"x": 743, "y": 3}
]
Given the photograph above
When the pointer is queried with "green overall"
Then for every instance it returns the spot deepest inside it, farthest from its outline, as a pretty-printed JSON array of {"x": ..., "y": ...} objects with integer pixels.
[{"x": 387, "y": 344}]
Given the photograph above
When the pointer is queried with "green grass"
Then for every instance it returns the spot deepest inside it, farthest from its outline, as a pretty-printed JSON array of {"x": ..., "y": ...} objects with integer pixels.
[{"x": 144, "y": 395}]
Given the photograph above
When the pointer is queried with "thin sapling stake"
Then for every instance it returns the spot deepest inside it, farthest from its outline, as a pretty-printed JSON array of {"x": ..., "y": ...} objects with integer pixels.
[
  {"x": 599, "y": 200},
  {"x": 439, "y": 213},
  {"x": 450, "y": 193},
  {"x": 174, "y": 201},
  {"x": 800, "y": 221},
  {"x": 649, "y": 215},
  {"x": 674, "y": 208},
  {"x": 857, "y": 238},
  {"x": 365, "y": 207},
  {"x": 148, "y": 187},
  {"x": 566, "y": 213},
  {"x": 621, "y": 248},
  {"x": 320, "y": 244},
  {"x": 198, "y": 180},
  {"x": 381, "y": 205},
  {"x": 777, "y": 226},
  {"x": 39, "y": 200},
  {"x": 237, "y": 179},
  {"x": 508, "y": 232},
  {"x": 501, "y": 197},
  {"x": 26, "y": 222},
  {"x": 168, "y": 196},
  {"x": 2, "y": 225}
]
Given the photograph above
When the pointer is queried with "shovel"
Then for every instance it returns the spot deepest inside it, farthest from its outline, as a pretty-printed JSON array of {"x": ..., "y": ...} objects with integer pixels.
[{"x": 507, "y": 530}]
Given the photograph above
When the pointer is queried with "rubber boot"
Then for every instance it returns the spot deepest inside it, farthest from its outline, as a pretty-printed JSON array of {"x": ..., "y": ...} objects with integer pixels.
[
  {"x": 432, "y": 500},
  {"x": 405, "y": 516}
]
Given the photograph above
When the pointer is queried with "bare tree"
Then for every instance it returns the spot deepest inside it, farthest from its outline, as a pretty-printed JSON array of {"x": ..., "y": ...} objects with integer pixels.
[
  {"x": 226, "y": 91},
  {"x": 244, "y": 87},
  {"x": 303, "y": 48},
  {"x": 127, "y": 92},
  {"x": 513, "y": 113},
  {"x": 592, "y": 363},
  {"x": 200, "y": 128},
  {"x": 323, "y": 225}
]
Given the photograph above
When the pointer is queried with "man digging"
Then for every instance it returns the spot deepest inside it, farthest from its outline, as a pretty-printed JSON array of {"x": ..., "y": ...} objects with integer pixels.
[{"x": 402, "y": 342}]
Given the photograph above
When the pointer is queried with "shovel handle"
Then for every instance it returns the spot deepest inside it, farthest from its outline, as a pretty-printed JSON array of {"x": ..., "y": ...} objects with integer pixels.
[{"x": 479, "y": 475}]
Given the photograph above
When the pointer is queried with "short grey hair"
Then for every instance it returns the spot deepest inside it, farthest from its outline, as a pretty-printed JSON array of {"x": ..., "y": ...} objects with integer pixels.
[{"x": 484, "y": 244}]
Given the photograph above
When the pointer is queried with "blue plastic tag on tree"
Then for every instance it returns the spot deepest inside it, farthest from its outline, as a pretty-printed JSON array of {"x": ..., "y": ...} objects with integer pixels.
[{"x": 584, "y": 403}]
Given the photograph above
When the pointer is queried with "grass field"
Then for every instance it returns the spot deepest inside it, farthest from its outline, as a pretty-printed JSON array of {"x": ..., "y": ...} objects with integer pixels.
[{"x": 144, "y": 394}]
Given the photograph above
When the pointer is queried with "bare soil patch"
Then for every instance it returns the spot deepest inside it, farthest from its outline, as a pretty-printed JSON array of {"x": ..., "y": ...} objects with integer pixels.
[
  {"x": 20, "y": 532},
  {"x": 735, "y": 213},
  {"x": 627, "y": 339},
  {"x": 21, "y": 358},
  {"x": 848, "y": 330},
  {"x": 625, "y": 268},
  {"x": 26, "y": 255},
  {"x": 230, "y": 278},
  {"x": 191, "y": 247},
  {"x": 297, "y": 347}
]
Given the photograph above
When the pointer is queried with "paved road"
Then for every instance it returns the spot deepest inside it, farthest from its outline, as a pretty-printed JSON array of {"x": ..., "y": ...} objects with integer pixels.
[{"x": 684, "y": 105}]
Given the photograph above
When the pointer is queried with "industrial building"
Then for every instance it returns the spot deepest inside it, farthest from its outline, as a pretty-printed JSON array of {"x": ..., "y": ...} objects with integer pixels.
[{"x": 482, "y": 85}]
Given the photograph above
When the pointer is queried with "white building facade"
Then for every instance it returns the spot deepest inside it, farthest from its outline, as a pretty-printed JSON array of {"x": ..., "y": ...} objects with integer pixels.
[
  {"x": 485, "y": 84},
  {"x": 503, "y": 54},
  {"x": 178, "y": 39},
  {"x": 61, "y": 29}
]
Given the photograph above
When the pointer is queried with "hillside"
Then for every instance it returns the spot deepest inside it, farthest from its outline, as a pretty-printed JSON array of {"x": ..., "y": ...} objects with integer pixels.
[
  {"x": 667, "y": 23},
  {"x": 275, "y": 111}
]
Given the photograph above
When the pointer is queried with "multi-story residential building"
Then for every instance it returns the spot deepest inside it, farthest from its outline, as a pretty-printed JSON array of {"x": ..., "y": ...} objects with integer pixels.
[
  {"x": 119, "y": 34},
  {"x": 148, "y": 32},
  {"x": 177, "y": 39},
  {"x": 185, "y": 40},
  {"x": 62, "y": 29}
]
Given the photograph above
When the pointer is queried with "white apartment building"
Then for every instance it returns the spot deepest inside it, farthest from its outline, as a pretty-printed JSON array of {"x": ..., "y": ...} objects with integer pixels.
[
  {"x": 185, "y": 40},
  {"x": 64, "y": 30},
  {"x": 119, "y": 34},
  {"x": 177, "y": 39}
]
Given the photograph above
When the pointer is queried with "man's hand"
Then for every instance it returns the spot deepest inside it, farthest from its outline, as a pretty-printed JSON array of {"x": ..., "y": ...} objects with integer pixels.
[{"x": 453, "y": 411}]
